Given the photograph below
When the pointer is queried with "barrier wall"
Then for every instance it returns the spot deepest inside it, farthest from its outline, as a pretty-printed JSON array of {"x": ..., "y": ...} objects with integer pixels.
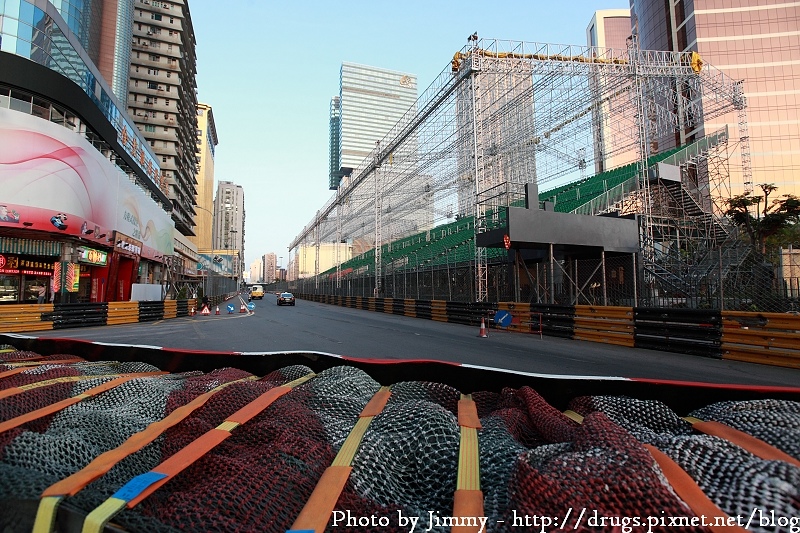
[
  {"x": 40, "y": 317},
  {"x": 767, "y": 338}
]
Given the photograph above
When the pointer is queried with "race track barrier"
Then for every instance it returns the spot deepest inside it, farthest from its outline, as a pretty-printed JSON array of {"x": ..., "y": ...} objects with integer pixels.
[
  {"x": 768, "y": 338},
  {"x": 25, "y": 317},
  {"x": 610, "y": 325},
  {"x": 689, "y": 331}
]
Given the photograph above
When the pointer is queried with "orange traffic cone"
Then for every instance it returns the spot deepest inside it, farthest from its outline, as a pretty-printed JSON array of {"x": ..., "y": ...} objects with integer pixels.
[
  {"x": 217, "y": 311},
  {"x": 483, "y": 333},
  {"x": 243, "y": 309},
  {"x": 191, "y": 313}
]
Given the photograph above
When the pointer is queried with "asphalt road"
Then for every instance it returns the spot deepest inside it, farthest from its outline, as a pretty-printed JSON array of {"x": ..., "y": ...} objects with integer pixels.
[{"x": 311, "y": 326}]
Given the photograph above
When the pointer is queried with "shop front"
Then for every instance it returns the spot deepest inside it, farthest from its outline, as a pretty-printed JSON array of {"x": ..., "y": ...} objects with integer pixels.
[{"x": 26, "y": 270}]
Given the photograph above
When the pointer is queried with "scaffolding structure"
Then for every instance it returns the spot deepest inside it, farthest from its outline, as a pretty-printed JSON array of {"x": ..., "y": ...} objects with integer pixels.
[{"x": 507, "y": 113}]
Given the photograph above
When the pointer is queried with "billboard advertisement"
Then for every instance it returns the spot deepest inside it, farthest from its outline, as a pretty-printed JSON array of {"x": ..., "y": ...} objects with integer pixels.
[{"x": 53, "y": 179}]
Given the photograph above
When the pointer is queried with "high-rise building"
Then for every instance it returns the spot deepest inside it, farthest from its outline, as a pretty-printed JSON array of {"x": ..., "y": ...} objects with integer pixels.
[
  {"x": 371, "y": 102},
  {"x": 80, "y": 183},
  {"x": 229, "y": 218},
  {"x": 609, "y": 28},
  {"x": 270, "y": 263},
  {"x": 204, "y": 201},
  {"x": 163, "y": 100},
  {"x": 256, "y": 271},
  {"x": 334, "y": 176},
  {"x": 756, "y": 41}
]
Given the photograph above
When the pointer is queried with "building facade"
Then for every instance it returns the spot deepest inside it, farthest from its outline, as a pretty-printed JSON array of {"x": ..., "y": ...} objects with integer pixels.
[
  {"x": 269, "y": 263},
  {"x": 204, "y": 201},
  {"x": 609, "y": 28},
  {"x": 371, "y": 102},
  {"x": 756, "y": 41},
  {"x": 81, "y": 212},
  {"x": 162, "y": 98},
  {"x": 229, "y": 218}
]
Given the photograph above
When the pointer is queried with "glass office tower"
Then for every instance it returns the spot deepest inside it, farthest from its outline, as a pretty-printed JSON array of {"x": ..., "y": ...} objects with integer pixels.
[
  {"x": 756, "y": 41},
  {"x": 371, "y": 101}
]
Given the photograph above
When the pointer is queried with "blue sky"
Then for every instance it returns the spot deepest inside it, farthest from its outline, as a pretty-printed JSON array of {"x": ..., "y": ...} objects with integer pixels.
[{"x": 269, "y": 70}]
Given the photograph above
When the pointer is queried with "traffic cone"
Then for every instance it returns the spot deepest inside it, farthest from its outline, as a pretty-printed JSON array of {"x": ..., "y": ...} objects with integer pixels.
[
  {"x": 243, "y": 309},
  {"x": 217, "y": 311},
  {"x": 191, "y": 313},
  {"x": 483, "y": 333}
]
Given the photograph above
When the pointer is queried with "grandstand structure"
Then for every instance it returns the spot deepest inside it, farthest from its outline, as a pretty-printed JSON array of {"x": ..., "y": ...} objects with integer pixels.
[{"x": 505, "y": 114}]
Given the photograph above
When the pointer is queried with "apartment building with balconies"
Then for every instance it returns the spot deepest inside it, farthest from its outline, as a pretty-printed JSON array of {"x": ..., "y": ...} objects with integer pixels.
[{"x": 162, "y": 98}]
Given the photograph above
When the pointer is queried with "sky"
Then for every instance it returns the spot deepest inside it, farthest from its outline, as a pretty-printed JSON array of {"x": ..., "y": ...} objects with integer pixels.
[{"x": 269, "y": 69}]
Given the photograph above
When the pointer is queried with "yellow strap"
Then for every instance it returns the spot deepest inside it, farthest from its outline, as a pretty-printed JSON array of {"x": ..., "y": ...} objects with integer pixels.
[
  {"x": 143, "y": 485},
  {"x": 46, "y": 515},
  {"x": 96, "y": 520},
  {"x": 468, "y": 454},
  {"x": 574, "y": 416},
  {"x": 318, "y": 508},
  {"x": 348, "y": 450}
]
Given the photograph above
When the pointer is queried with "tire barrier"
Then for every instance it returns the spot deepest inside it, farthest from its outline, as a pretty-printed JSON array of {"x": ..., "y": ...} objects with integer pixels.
[
  {"x": 295, "y": 442},
  {"x": 610, "y": 325},
  {"x": 42, "y": 317},
  {"x": 25, "y": 317},
  {"x": 689, "y": 331},
  {"x": 77, "y": 315},
  {"x": 770, "y": 338}
]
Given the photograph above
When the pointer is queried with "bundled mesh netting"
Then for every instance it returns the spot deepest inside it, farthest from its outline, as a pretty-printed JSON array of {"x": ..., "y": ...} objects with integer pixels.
[
  {"x": 735, "y": 480},
  {"x": 534, "y": 460}
]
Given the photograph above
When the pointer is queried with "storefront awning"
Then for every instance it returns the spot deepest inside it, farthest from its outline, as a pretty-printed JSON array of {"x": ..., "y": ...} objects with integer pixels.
[{"x": 12, "y": 245}]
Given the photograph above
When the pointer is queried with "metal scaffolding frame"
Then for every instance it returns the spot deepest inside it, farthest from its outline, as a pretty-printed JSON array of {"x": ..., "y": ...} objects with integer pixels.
[{"x": 505, "y": 113}]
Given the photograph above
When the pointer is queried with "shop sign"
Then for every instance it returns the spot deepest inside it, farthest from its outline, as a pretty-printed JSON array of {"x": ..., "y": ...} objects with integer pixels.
[
  {"x": 92, "y": 256},
  {"x": 12, "y": 264},
  {"x": 127, "y": 245}
]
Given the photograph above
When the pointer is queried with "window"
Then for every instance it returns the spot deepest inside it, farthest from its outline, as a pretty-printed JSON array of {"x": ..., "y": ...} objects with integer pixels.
[
  {"x": 155, "y": 57},
  {"x": 155, "y": 16},
  {"x": 164, "y": 159},
  {"x": 152, "y": 85},
  {"x": 166, "y": 102},
  {"x": 150, "y": 128}
]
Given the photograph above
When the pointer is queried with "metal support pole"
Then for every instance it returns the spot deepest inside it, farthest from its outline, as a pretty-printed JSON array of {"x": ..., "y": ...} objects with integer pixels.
[
  {"x": 603, "y": 281},
  {"x": 721, "y": 284},
  {"x": 635, "y": 281},
  {"x": 552, "y": 277}
]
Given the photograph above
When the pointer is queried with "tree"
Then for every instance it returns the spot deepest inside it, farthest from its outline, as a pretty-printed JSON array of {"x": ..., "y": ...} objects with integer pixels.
[{"x": 773, "y": 218}]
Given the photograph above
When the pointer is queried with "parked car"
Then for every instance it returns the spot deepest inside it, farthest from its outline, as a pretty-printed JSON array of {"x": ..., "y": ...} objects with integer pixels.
[{"x": 286, "y": 298}]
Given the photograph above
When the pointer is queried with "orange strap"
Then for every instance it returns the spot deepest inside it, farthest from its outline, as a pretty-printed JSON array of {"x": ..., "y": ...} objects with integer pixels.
[
  {"x": 468, "y": 504},
  {"x": 319, "y": 507},
  {"x": 13, "y": 391},
  {"x": 756, "y": 446},
  {"x": 179, "y": 461},
  {"x": 376, "y": 403},
  {"x": 12, "y": 372},
  {"x": 686, "y": 488},
  {"x": 73, "y": 484},
  {"x": 201, "y": 446},
  {"x": 468, "y": 414},
  {"x": 63, "y": 404}
]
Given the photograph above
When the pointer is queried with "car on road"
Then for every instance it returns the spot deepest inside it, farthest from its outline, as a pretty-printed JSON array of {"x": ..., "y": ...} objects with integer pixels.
[
  {"x": 286, "y": 298},
  {"x": 256, "y": 292}
]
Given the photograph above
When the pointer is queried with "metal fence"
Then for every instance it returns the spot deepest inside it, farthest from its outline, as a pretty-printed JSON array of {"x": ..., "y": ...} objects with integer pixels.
[{"x": 765, "y": 283}]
